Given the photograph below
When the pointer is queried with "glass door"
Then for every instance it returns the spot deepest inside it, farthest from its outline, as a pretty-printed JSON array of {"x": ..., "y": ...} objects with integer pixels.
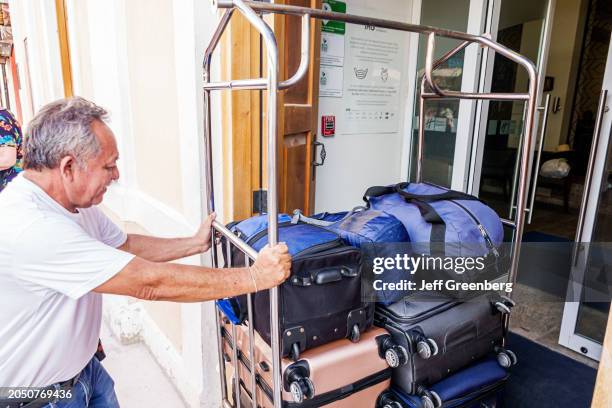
[
  {"x": 589, "y": 291},
  {"x": 448, "y": 123},
  {"x": 523, "y": 26}
]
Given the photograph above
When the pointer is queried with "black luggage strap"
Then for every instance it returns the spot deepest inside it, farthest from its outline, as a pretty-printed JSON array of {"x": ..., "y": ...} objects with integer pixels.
[
  {"x": 429, "y": 214},
  {"x": 377, "y": 191},
  {"x": 447, "y": 195},
  {"x": 399, "y": 188}
]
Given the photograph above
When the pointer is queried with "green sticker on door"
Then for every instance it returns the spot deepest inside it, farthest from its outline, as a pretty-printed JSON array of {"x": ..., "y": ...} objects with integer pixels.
[{"x": 338, "y": 27}]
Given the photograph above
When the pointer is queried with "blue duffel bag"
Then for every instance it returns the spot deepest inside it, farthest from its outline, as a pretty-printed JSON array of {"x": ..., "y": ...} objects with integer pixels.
[
  {"x": 460, "y": 224},
  {"x": 359, "y": 226}
]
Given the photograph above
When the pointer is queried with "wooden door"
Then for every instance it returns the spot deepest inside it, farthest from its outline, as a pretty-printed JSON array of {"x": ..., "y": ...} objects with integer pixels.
[
  {"x": 298, "y": 110},
  {"x": 244, "y": 123}
]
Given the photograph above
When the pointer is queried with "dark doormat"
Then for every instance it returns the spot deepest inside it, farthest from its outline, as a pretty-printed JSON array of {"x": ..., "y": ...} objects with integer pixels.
[{"x": 544, "y": 378}]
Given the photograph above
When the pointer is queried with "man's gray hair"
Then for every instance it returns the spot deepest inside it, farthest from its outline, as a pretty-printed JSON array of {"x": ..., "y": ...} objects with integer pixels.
[{"x": 62, "y": 128}]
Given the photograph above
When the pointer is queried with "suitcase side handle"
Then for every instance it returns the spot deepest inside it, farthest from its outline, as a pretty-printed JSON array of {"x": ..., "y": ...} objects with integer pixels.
[{"x": 325, "y": 276}]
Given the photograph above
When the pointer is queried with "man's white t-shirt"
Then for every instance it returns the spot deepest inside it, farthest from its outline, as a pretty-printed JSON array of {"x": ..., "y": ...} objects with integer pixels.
[{"x": 50, "y": 260}]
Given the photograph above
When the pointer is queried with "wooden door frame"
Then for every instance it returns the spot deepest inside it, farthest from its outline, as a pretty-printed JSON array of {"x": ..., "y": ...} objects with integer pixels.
[
  {"x": 244, "y": 167},
  {"x": 241, "y": 113},
  {"x": 64, "y": 46}
]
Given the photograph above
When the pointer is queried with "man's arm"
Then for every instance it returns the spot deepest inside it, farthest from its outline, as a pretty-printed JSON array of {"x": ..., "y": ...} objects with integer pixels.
[
  {"x": 184, "y": 283},
  {"x": 169, "y": 249}
]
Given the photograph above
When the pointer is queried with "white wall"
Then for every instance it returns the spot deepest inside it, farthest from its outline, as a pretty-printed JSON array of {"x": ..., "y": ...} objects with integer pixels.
[
  {"x": 565, "y": 44},
  {"x": 35, "y": 21},
  {"x": 358, "y": 160}
]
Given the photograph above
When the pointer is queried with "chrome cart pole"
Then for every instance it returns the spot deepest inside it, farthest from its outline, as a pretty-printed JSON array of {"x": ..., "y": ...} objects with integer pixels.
[
  {"x": 211, "y": 208},
  {"x": 272, "y": 85},
  {"x": 210, "y": 196}
]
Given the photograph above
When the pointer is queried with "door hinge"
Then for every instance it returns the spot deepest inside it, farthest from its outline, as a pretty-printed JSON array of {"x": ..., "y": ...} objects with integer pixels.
[{"x": 260, "y": 201}]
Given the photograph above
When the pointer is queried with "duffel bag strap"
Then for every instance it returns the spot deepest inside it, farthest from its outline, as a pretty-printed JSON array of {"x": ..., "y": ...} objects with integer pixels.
[
  {"x": 299, "y": 217},
  {"x": 377, "y": 191},
  {"x": 447, "y": 195},
  {"x": 429, "y": 214}
]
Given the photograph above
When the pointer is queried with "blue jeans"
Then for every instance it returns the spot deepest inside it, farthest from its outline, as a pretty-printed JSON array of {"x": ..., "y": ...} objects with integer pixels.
[{"x": 94, "y": 389}]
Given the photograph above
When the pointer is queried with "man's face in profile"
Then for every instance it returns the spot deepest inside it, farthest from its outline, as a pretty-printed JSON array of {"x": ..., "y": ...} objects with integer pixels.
[{"x": 91, "y": 180}]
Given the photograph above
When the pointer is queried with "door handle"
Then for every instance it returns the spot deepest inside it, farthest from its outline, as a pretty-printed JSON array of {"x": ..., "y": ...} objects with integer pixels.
[
  {"x": 601, "y": 110},
  {"x": 322, "y": 155},
  {"x": 534, "y": 185}
]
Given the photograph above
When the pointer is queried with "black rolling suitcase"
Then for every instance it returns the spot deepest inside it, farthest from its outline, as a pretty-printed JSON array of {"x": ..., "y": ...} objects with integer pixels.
[
  {"x": 440, "y": 336},
  {"x": 320, "y": 302}
]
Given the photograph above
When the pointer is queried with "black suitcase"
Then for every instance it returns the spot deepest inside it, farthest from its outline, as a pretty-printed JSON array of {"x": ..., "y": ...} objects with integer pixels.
[
  {"x": 322, "y": 299},
  {"x": 438, "y": 336}
]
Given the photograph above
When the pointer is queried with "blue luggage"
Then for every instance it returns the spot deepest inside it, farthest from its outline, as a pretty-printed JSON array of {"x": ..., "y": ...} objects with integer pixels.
[
  {"x": 480, "y": 385},
  {"x": 461, "y": 223},
  {"x": 359, "y": 226},
  {"x": 320, "y": 302}
]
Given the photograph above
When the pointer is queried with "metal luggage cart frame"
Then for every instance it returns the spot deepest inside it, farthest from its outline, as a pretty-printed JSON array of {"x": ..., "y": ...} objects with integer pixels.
[{"x": 253, "y": 11}]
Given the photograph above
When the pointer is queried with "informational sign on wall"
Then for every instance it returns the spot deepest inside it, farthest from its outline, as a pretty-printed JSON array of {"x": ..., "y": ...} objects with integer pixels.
[
  {"x": 338, "y": 27},
  {"x": 332, "y": 52},
  {"x": 372, "y": 80},
  {"x": 362, "y": 65}
]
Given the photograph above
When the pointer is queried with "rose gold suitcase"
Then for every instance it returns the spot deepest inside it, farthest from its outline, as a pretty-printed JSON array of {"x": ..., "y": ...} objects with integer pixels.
[{"x": 340, "y": 374}]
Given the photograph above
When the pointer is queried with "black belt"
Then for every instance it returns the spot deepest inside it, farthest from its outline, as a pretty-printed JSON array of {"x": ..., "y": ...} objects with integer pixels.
[{"x": 40, "y": 402}]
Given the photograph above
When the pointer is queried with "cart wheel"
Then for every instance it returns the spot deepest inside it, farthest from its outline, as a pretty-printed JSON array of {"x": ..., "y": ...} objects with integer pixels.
[
  {"x": 504, "y": 359},
  {"x": 392, "y": 404},
  {"x": 295, "y": 352},
  {"x": 396, "y": 356},
  {"x": 355, "y": 334},
  {"x": 502, "y": 307},
  {"x": 508, "y": 301},
  {"x": 302, "y": 389},
  {"x": 513, "y": 356}
]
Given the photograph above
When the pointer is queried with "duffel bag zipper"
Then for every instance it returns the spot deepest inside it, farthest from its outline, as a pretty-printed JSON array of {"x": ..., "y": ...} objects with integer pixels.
[
  {"x": 316, "y": 248},
  {"x": 481, "y": 228}
]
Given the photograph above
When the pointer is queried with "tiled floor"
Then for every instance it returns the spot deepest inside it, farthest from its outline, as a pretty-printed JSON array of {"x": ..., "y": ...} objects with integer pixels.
[{"x": 537, "y": 316}]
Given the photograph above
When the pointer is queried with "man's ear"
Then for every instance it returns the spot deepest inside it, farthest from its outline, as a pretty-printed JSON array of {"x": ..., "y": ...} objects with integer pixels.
[{"x": 67, "y": 166}]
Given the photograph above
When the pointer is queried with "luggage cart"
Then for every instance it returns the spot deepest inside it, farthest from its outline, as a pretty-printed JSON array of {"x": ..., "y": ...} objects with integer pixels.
[{"x": 253, "y": 11}]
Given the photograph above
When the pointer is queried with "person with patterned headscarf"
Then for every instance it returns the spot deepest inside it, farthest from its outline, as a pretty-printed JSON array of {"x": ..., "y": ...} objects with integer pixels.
[{"x": 10, "y": 148}]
